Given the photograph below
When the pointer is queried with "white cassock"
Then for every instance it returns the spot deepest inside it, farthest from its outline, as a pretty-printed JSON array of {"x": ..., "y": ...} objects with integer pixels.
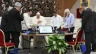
[
  {"x": 39, "y": 41},
  {"x": 42, "y": 19}
]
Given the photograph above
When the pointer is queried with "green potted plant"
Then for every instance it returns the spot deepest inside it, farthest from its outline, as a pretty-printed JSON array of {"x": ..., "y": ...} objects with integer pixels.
[{"x": 56, "y": 44}]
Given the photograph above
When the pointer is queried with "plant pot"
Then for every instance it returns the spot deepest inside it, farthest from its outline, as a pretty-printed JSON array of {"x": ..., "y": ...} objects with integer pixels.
[{"x": 55, "y": 52}]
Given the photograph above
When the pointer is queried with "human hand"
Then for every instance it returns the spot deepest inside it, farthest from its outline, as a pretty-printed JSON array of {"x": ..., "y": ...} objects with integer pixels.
[
  {"x": 20, "y": 11},
  {"x": 81, "y": 10},
  {"x": 39, "y": 22}
]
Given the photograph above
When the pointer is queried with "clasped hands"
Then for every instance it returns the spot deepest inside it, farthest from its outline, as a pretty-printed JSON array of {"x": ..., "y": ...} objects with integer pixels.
[{"x": 39, "y": 22}]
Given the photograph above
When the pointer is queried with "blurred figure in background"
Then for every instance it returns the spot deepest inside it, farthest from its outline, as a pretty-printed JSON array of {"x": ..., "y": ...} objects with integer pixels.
[
  {"x": 4, "y": 25},
  {"x": 69, "y": 20}
]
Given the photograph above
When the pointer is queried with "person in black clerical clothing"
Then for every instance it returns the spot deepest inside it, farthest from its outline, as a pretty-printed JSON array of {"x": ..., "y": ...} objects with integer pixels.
[
  {"x": 94, "y": 18},
  {"x": 94, "y": 38},
  {"x": 88, "y": 27},
  {"x": 4, "y": 22},
  {"x": 15, "y": 17}
]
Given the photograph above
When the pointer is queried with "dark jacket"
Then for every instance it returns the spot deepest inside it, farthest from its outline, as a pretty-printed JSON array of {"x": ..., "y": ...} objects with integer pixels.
[
  {"x": 4, "y": 21},
  {"x": 94, "y": 16},
  {"x": 88, "y": 20},
  {"x": 14, "y": 20}
]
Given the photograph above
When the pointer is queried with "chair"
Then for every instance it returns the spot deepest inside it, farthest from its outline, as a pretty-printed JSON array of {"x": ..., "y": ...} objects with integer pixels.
[
  {"x": 82, "y": 40},
  {"x": 64, "y": 29},
  {"x": 78, "y": 39},
  {"x": 3, "y": 43}
]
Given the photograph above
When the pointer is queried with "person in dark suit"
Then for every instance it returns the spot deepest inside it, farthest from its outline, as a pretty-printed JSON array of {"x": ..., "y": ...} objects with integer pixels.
[
  {"x": 94, "y": 37},
  {"x": 4, "y": 22},
  {"x": 15, "y": 17},
  {"x": 88, "y": 27},
  {"x": 94, "y": 18}
]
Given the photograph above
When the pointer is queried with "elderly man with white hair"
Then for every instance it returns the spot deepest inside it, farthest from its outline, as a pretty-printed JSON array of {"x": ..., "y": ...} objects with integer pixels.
[
  {"x": 13, "y": 24},
  {"x": 39, "y": 20},
  {"x": 69, "y": 23}
]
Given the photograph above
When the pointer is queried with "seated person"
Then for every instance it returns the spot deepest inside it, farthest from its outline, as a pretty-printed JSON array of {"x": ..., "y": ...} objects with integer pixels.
[
  {"x": 56, "y": 21},
  {"x": 39, "y": 20}
]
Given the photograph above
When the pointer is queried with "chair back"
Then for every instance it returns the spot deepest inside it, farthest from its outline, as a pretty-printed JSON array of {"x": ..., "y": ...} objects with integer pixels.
[
  {"x": 2, "y": 38},
  {"x": 64, "y": 29},
  {"x": 79, "y": 36}
]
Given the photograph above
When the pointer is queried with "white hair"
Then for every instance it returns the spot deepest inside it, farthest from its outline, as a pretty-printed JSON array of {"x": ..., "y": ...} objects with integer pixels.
[
  {"x": 17, "y": 4},
  {"x": 67, "y": 10},
  {"x": 38, "y": 13}
]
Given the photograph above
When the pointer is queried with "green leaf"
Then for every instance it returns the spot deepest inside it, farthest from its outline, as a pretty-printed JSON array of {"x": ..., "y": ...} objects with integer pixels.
[
  {"x": 66, "y": 44},
  {"x": 55, "y": 47},
  {"x": 62, "y": 50},
  {"x": 61, "y": 37},
  {"x": 56, "y": 42},
  {"x": 49, "y": 50}
]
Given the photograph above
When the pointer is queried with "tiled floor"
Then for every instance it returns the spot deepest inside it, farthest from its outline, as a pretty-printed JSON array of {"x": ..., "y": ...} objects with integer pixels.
[{"x": 42, "y": 51}]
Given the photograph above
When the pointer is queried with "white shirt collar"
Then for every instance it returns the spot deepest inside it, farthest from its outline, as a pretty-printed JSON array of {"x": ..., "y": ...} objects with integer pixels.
[
  {"x": 56, "y": 16},
  {"x": 86, "y": 8}
]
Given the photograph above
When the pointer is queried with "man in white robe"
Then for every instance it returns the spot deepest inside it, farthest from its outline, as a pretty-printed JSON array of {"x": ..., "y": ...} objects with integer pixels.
[{"x": 39, "y": 20}]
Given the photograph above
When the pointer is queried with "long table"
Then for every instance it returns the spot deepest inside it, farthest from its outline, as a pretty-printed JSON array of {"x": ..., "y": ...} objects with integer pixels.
[
  {"x": 23, "y": 34},
  {"x": 29, "y": 35}
]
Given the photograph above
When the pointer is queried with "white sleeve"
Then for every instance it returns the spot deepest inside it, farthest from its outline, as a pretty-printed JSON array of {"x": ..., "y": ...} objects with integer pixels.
[
  {"x": 52, "y": 21},
  {"x": 72, "y": 19},
  {"x": 25, "y": 20},
  {"x": 60, "y": 22},
  {"x": 43, "y": 21},
  {"x": 34, "y": 21}
]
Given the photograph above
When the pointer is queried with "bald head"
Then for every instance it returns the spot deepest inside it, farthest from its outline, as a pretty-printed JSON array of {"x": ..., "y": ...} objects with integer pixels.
[{"x": 38, "y": 15}]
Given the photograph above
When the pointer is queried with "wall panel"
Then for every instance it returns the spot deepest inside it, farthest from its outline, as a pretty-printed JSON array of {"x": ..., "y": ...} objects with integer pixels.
[{"x": 63, "y": 4}]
